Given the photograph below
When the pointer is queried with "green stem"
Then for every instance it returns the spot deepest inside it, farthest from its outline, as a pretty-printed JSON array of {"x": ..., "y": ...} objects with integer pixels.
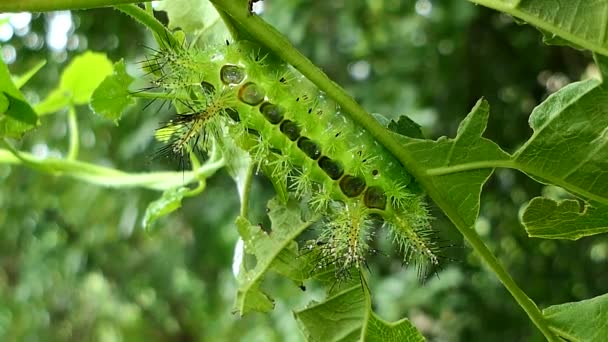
[
  {"x": 162, "y": 35},
  {"x": 74, "y": 143},
  {"x": 276, "y": 42},
  {"x": 56, "y": 5}
]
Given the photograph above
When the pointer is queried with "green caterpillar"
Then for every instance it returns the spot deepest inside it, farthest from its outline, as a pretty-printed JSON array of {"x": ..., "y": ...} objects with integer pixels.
[{"x": 232, "y": 92}]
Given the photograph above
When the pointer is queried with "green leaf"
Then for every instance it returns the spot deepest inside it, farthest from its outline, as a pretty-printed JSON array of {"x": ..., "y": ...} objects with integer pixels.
[
  {"x": 339, "y": 318},
  {"x": 406, "y": 126},
  {"x": 581, "y": 23},
  {"x": 268, "y": 249},
  {"x": 548, "y": 219},
  {"x": 347, "y": 316},
  {"x": 380, "y": 330},
  {"x": 112, "y": 96},
  {"x": 468, "y": 150},
  {"x": 78, "y": 81},
  {"x": 16, "y": 115},
  {"x": 190, "y": 16},
  {"x": 170, "y": 201},
  {"x": 586, "y": 320},
  {"x": 569, "y": 146}
]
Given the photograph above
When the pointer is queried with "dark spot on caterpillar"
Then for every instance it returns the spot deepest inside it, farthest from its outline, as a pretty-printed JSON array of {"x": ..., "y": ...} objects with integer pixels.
[
  {"x": 251, "y": 93},
  {"x": 297, "y": 99},
  {"x": 282, "y": 80},
  {"x": 227, "y": 42},
  {"x": 207, "y": 87},
  {"x": 232, "y": 74},
  {"x": 233, "y": 114},
  {"x": 272, "y": 113},
  {"x": 332, "y": 168},
  {"x": 290, "y": 129},
  {"x": 352, "y": 186},
  {"x": 302, "y": 287},
  {"x": 375, "y": 172},
  {"x": 309, "y": 147},
  {"x": 309, "y": 110},
  {"x": 275, "y": 151},
  {"x": 338, "y": 134},
  {"x": 375, "y": 198}
]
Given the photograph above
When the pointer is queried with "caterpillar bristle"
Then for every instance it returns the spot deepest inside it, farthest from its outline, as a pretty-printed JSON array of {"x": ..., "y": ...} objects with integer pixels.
[{"x": 236, "y": 94}]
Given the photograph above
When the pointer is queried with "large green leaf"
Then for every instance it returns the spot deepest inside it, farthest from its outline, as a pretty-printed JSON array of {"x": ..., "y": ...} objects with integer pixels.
[
  {"x": 468, "y": 150},
  {"x": 581, "y": 23},
  {"x": 271, "y": 251},
  {"x": 586, "y": 320},
  {"x": 113, "y": 96},
  {"x": 546, "y": 218},
  {"x": 16, "y": 115},
  {"x": 347, "y": 316},
  {"x": 569, "y": 146},
  {"x": 78, "y": 81}
]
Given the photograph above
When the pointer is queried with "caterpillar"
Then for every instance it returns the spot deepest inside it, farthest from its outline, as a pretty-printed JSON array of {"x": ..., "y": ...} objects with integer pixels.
[{"x": 233, "y": 92}]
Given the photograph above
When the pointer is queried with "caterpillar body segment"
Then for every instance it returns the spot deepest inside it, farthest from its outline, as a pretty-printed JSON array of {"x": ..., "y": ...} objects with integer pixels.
[{"x": 283, "y": 121}]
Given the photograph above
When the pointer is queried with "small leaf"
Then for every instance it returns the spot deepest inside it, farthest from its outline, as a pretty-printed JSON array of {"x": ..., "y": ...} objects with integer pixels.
[
  {"x": 443, "y": 159},
  {"x": 406, "y": 126},
  {"x": 339, "y": 318},
  {"x": 268, "y": 249},
  {"x": 112, "y": 96},
  {"x": 170, "y": 201},
  {"x": 78, "y": 81},
  {"x": 16, "y": 115},
  {"x": 586, "y": 320},
  {"x": 548, "y": 219}
]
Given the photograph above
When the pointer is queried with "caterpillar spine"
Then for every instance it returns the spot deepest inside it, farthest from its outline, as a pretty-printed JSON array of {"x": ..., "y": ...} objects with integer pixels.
[{"x": 283, "y": 122}]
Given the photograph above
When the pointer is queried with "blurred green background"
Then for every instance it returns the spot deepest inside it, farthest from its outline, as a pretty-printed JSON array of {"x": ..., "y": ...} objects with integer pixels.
[{"x": 76, "y": 265}]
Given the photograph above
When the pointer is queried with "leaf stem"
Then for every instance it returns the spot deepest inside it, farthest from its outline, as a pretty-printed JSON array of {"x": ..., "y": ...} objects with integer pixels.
[
  {"x": 275, "y": 41},
  {"x": 56, "y": 5},
  {"x": 485, "y": 164},
  {"x": 74, "y": 143},
  {"x": 161, "y": 33}
]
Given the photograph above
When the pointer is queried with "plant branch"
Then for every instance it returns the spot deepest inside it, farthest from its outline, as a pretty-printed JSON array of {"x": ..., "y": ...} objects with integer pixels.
[
  {"x": 275, "y": 41},
  {"x": 161, "y": 33},
  {"x": 56, "y": 5},
  {"x": 74, "y": 143}
]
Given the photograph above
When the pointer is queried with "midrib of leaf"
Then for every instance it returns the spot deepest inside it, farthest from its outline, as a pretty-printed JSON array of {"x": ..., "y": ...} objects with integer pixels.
[{"x": 512, "y": 9}]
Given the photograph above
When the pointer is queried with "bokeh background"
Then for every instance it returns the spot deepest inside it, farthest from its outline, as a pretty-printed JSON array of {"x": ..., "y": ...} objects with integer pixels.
[{"x": 75, "y": 263}]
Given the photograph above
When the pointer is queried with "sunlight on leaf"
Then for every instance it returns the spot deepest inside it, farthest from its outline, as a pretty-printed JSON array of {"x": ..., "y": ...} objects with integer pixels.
[
  {"x": 112, "y": 96},
  {"x": 190, "y": 16},
  {"x": 586, "y": 320}
]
